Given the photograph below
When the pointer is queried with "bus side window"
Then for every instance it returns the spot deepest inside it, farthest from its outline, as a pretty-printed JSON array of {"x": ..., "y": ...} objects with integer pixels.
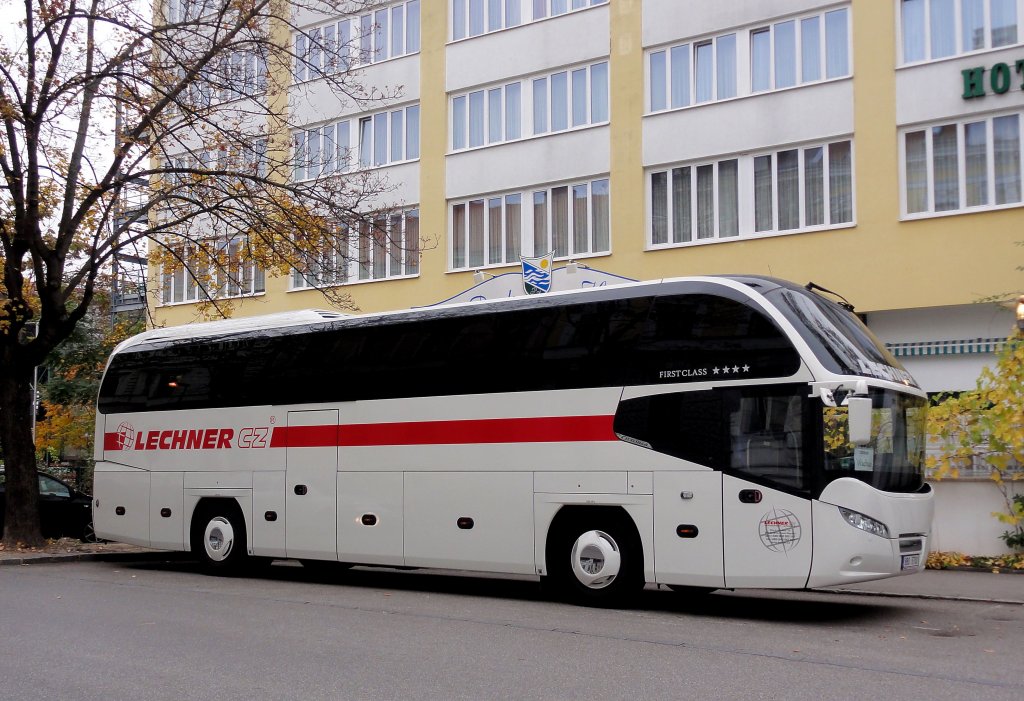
[{"x": 766, "y": 436}]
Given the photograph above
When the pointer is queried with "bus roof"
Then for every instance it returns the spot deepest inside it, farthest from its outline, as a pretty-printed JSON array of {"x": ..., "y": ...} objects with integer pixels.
[{"x": 314, "y": 319}]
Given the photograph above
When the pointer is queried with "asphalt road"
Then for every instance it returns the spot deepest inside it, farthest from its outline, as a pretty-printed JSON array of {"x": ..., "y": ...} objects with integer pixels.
[{"x": 104, "y": 630}]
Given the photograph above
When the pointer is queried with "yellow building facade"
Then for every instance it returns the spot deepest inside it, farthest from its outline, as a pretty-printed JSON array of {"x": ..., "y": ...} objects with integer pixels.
[{"x": 875, "y": 149}]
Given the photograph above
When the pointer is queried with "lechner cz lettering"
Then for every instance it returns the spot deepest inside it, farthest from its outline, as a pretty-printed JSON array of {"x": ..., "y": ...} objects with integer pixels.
[{"x": 194, "y": 439}]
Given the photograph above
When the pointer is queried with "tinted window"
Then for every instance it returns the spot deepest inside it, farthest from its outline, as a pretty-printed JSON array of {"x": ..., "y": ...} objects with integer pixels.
[
  {"x": 757, "y": 433},
  {"x": 534, "y": 345}
]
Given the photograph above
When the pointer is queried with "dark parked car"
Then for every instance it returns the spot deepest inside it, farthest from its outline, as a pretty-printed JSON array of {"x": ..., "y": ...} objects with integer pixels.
[{"x": 63, "y": 510}]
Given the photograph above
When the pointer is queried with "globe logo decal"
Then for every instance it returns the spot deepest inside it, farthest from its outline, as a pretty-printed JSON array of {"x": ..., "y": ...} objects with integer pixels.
[
  {"x": 779, "y": 530},
  {"x": 126, "y": 435}
]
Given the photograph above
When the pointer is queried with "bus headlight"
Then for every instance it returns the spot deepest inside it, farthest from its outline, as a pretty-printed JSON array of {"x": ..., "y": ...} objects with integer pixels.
[{"x": 865, "y": 523}]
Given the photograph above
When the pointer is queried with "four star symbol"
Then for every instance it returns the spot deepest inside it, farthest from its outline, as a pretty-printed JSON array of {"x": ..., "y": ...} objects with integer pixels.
[{"x": 730, "y": 370}]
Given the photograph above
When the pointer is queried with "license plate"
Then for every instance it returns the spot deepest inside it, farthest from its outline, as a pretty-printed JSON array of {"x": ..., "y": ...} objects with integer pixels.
[{"x": 911, "y": 562}]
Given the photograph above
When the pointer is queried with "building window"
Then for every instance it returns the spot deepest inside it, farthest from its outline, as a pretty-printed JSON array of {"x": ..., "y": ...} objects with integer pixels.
[
  {"x": 195, "y": 279},
  {"x": 959, "y": 166},
  {"x": 571, "y": 220},
  {"x": 785, "y": 54},
  {"x": 789, "y": 190},
  {"x": 934, "y": 29},
  {"x": 385, "y": 33},
  {"x": 380, "y": 139},
  {"x": 472, "y": 18},
  {"x": 386, "y": 247},
  {"x": 569, "y": 99}
]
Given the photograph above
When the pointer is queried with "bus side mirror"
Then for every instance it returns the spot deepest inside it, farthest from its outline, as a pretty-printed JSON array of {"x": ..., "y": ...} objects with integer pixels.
[{"x": 860, "y": 419}]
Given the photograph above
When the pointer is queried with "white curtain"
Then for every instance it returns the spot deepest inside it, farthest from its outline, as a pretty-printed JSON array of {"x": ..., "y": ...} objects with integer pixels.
[
  {"x": 513, "y": 227},
  {"x": 682, "y": 214},
  {"x": 495, "y": 249},
  {"x": 600, "y": 224},
  {"x": 705, "y": 71},
  {"x": 680, "y": 72},
  {"x": 659, "y": 208},
  {"x": 728, "y": 198},
  {"x": 412, "y": 132},
  {"x": 559, "y": 101},
  {"x": 946, "y": 187},
  {"x": 810, "y": 49},
  {"x": 397, "y": 136},
  {"x": 599, "y": 93},
  {"x": 658, "y": 78},
  {"x": 725, "y": 55},
  {"x": 976, "y": 163},
  {"x": 540, "y": 223},
  {"x": 763, "y": 219},
  {"x": 760, "y": 60},
  {"x": 513, "y": 111},
  {"x": 942, "y": 23},
  {"x": 840, "y": 182},
  {"x": 476, "y": 233},
  {"x": 580, "y": 219},
  {"x": 494, "y": 113},
  {"x": 1006, "y": 135},
  {"x": 916, "y": 166},
  {"x": 540, "y": 105},
  {"x": 785, "y": 54},
  {"x": 1004, "y": 22},
  {"x": 579, "y": 97},
  {"x": 912, "y": 22},
  {"x": 972, "y": 23},
  {"x": 705, "y": 201},
  {"x": 476, "y": 118},
  {"x": 560, "y": 221},
  {"x": 837, "y": 44},
  {"x": 412, "y": 27},
  {"x": 814, "y": 186},
  {"x": 788, "y": 174},
  {"x": 494, "y": 15},
  {"x": 476, "y": 17}
]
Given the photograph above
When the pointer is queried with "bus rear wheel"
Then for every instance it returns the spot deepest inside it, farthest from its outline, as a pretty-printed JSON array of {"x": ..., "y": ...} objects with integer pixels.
[
  {"x": 218, "y": 537},
  {"x": 596, "y": 561}
]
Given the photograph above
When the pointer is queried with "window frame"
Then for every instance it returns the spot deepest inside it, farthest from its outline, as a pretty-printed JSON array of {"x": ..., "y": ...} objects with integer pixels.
[
  {"x": 358, "y": 41},
  {"x": 460, "y": 110},
  {"x": 664, "y": 227},
  {"x": 660, "y": 63},
  {"x": 598, "y": 236},
  {"x": 961, "y": 124},
  {"x": 957, "y": 30}
]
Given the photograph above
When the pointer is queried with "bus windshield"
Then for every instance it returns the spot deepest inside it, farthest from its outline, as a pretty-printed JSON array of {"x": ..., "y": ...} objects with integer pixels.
[
  {"x": 893, "y": 460},
  {"x": 838, "y": 338}
]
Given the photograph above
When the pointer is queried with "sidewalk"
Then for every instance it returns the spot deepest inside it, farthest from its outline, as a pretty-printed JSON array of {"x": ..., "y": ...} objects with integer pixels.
[
  {"x": 957, "y": 585},
  {"x": 962, "y": 585}
]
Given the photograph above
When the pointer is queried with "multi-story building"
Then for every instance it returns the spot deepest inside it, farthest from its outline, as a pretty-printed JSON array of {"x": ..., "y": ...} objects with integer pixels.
[{"x": 873, "y": 148}]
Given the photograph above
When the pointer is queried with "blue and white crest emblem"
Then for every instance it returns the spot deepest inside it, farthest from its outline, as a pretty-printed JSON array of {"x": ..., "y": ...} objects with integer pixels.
[{"x": 537, "y": 274}]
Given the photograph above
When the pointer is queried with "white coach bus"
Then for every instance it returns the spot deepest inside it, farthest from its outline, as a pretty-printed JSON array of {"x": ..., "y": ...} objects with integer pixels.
[{"x": 710, "y": 432}]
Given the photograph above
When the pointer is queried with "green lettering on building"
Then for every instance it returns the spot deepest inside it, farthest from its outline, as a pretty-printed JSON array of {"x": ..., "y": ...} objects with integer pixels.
[
  {"x": 974, "y": 85},
  {"x": 1000, "y": 78}
]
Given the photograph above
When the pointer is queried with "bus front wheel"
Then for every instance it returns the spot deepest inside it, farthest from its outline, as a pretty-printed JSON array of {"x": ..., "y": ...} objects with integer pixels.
[
  {"x": 218, "y": 537},
  {"x": 596, "y": 561}
]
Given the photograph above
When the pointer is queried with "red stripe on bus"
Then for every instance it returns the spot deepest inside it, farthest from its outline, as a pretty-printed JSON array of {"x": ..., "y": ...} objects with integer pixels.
[
  {"x": 546, "y": 429},
  {"x": 111, "y": 441},
  {"x": 304, "y": 437}
]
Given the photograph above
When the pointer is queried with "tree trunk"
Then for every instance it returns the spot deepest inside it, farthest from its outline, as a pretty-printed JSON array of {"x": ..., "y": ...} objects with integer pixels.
[{"x": 21, "y": 521}]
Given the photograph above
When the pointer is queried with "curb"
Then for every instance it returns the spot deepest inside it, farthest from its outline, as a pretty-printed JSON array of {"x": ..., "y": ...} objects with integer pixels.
[
  {"x": 932, "y": 597},
  {"x": 87, "y": 557}
]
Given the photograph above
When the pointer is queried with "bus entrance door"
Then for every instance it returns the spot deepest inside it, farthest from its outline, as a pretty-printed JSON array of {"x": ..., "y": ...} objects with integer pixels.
[
  {"x": 767, "y": 536},
  {"x": 311, "y": 485}
]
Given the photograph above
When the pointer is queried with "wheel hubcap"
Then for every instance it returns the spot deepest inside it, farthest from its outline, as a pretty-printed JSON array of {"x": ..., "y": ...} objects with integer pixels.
[
  {"x": 219, "y": 539},
  {"x": 596, "y": 560}
]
